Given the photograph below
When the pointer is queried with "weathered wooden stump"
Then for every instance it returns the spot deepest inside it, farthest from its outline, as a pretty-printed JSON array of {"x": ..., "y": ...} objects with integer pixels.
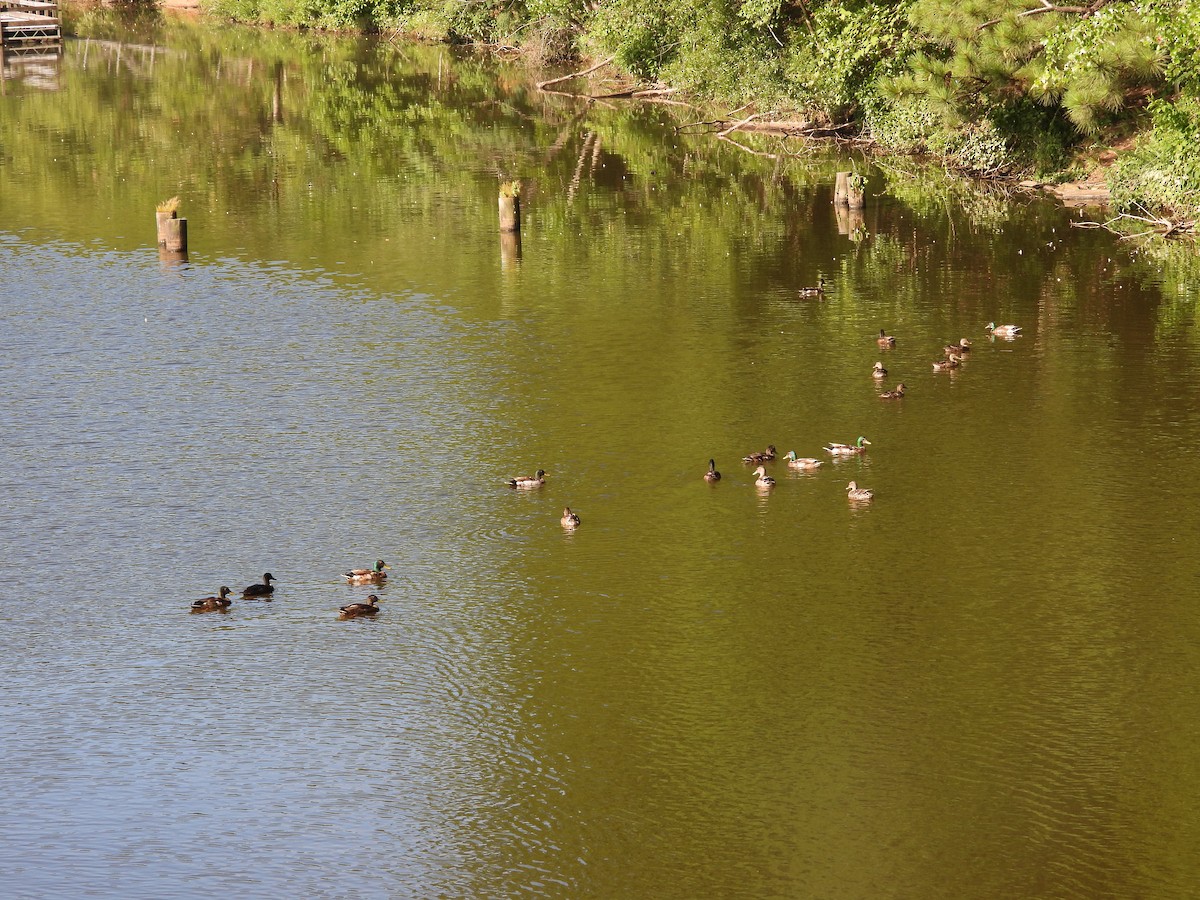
[
  {"x": 172, "y": 231},
  {"x": 850, "y": 190},
  {"x": 841, "y": 186},
  {"x": 510, "y": 212},
  {"x": 175, "y": 235}
]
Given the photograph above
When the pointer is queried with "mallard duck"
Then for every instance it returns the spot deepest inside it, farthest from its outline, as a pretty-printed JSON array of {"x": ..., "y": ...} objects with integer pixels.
[
  {"x": 354, "y": 610},
  {"x": 766, "y": 456},
  {"x": 854, "y": 492},
  {"x": 210, "y": 604},
  {"x": 801, "y": 462},
  {"x": 368, "y": 576},
  {"x": 763, "y": 480},
  {"x": 527, "y": 481},
  {"x": 266, "y": 589},
  {"x": 963, "y": 346},
  {"x": 712, "y": 474},
  {"x": 1003, "y": 330},
  {"x": 953, "y": 361},
  {"x": 818, "y": 291},
  {"x": 893, "y": 395},
  {"x": 569, "y": 520},
  {"x": 885, "y": 339},
  {"x": 859, "y": 446},
  {"x": 878, "y": 371}
]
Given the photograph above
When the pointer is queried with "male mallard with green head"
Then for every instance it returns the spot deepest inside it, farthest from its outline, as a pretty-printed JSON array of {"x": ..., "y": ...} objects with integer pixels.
[
  {"x": 212, "y": 604},
  {"x": 818, "y": 291},
  {"x": 801, "y": 462},
  {"x": 1003, "y": 330},
  {"x": 859, "y": 446},
  {"x": 261, "y": 591},
  {"x": 354, "y": 610},
  {"x": 526, "y": 481},
  {"x": 368, "y": 576}
]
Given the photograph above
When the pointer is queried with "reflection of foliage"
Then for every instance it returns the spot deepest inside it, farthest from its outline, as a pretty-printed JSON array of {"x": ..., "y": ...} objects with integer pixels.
[{"x": 280, "y": 142}]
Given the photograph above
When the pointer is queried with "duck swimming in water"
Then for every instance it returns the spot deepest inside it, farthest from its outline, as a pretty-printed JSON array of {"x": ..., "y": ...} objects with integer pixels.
[
  {"x": 212, "y": 604},
  {"x": 262, "y": 591},
  {"x": 854, "y": 492},
  {"x": 801, "y": 462},
  {"x": 354, "y": 610},
  {"x": 527, "y": 481},
  {"x": 368, "y": 576},
  {"x": 766, "y": 456},
  {"x": 859, "y": 446},
  {"x": 569, "y": 520},
  {"x": 712, "y": 474}
]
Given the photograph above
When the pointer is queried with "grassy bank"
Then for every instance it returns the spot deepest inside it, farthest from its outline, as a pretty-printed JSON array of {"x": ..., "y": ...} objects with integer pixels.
[{"x": 1003, "y": 87}]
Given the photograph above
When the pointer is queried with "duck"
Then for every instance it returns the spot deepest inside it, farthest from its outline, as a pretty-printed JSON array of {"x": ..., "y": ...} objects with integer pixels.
[
  {"x": 854, "y": 492},
  {"x": 1003, "y": 330},
  {"x": 368, "y": 576},
  {"x": 763, "y": 480},
  {"x": 893, "y": 395},
  {"x": 885, "y": 339},
  {"x": 801, "y": 462},
  {"x": 818, "y": 291},
  {"x": 859, "y": 446},
  {"x": 953, "y": 361},
  {"x": 210, "y": 604},
  {"x": 528, "y": 481},
  {"x": 878, "y": 371},
  {"x": 266, "y": 589},
  {"x": 712, "y": 474},
  {"x": 963, "y": 346},
  {"x": 354, "y": 610},
  {"x": 766, "y": 456},
  {"x": 569, "y": 520}
]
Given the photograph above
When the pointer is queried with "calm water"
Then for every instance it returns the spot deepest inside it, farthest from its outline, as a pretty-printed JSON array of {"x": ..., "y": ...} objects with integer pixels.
[{"x": 983, "y": 684}]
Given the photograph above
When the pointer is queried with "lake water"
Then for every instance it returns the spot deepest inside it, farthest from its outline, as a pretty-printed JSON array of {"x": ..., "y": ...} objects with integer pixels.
[{"x": 981, "y": 684}]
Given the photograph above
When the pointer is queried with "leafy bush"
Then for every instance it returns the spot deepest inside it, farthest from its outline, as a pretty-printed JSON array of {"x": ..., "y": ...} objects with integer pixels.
[{"x": 1163, "y": 171}]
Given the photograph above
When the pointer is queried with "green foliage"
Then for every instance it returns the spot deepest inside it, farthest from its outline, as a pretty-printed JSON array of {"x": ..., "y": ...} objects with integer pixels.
[
  {"x": 835, "y": 68},
  {"x": 1163, "y": 171},
  {"x": 334, "y": 15}
]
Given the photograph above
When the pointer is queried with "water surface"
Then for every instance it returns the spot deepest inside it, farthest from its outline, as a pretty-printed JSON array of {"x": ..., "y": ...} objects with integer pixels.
[{"x": 982, "y": 684}]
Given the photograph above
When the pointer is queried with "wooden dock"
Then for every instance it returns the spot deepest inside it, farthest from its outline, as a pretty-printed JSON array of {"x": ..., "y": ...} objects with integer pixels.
[{"x": 29, "y": 28}]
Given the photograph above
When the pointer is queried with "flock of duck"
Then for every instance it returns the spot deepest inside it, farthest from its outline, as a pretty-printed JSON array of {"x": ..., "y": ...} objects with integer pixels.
[
  {"x": 952, "y": 358},
  {"x": 264, "y": 591}
]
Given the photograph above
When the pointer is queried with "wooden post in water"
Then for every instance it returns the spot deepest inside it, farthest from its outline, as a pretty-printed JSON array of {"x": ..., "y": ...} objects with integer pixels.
[
  {"x": 172, "y": 231},
  {"x": 510, "y": 206},
  {"x": 176, "y": 235},
  {"x": 850, "y": 190}
]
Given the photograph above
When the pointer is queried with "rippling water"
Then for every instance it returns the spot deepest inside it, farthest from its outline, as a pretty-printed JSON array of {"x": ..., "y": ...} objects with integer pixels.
[{"x": 980, "y": 685}]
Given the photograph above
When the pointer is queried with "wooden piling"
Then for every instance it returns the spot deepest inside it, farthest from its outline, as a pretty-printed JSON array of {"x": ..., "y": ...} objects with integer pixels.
[
  {"x": 841, "y": 188},
  {"x": 510, "y": 213},
  {"x": 176, "y": 236},
  {"x": 850, "y": 190},
  {"x": 172, "y": 231}
]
